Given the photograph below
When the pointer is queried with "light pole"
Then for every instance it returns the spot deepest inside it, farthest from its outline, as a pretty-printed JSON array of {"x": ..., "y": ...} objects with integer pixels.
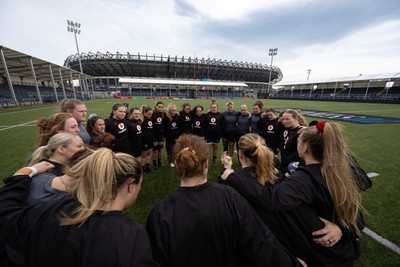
[
  {"x": 74, "y": 27},
  {"x": 308, "y": 76},
  {"x": 272, "y": 52}
]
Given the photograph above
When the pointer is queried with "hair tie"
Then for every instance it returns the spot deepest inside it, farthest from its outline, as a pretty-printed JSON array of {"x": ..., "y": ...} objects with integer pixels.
[
  {"x": 189, "y": 149},
  {"x": 320, "y": 126}
]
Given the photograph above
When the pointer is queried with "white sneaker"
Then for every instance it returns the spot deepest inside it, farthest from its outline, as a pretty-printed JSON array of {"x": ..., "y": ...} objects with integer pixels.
[{"x": 172, "y": 165}]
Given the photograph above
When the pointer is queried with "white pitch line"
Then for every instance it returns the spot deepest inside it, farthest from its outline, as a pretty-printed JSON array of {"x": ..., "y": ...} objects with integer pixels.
[
  {"x": 18, "y": 125},
  {"x": 370, "y": 111},
  {"x": 7, "y": 126},
  {"x": 26, "y": 110},
  {"x": 382, "y": 240}
]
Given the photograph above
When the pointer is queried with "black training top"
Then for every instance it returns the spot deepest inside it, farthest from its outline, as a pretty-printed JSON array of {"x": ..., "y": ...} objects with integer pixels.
[
  {"x": 212, "y": 225},
  {"x": 105, "y": 239},
  {"x": 198, "y": 123},
  {"x": 213, "y": 124},
  {"x": 304, "y": 188},
  {"x": 185, "y": 122},
  {"x": 229, "y": 124},
  {"x": 119, "y": 129},
  {"x": 135, "y": 136}
]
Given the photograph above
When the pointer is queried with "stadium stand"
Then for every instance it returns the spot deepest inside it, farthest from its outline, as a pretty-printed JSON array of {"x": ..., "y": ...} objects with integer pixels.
[{"x": 26, "y": 80}]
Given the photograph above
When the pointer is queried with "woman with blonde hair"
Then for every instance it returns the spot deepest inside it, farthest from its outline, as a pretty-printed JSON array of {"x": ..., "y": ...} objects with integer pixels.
[
  {"x": 327, "y": 185},
  {"x": 58, "y": 122},
  {"x": 291, "y": 120},
  {"x": 86, "y": 228},
  {"x": 60, "y": 150},
  {"x": 173, "y": 128},
  {"x": 208, "y": 224}
]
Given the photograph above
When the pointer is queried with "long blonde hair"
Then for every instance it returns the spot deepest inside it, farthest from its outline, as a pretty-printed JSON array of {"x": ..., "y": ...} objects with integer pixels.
[
  {"x": 253, "y": 147},
  {"x": 46, "y": 151},
  {"x": 97, "y": 179},
  {"x": 171, "y": 105},
  {"x": 327, "y": 145}
]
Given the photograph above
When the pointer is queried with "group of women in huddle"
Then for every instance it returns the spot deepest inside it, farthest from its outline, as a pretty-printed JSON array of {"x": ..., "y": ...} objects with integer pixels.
[
  {"x": 254, "y": 216},
  {"x": 143, "y": 132}
]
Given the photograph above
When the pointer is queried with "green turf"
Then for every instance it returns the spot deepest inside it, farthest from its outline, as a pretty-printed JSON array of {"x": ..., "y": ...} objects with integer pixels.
[{"x": 376, "y": 146}]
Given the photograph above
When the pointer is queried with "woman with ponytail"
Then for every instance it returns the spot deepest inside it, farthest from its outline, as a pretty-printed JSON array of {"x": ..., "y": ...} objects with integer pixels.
[
  {"x": 326, "y": 185},
  {"x": 85, "y": 227},
  {"x": 57, "y": 123},
  {"x": 208, "y": 224}
]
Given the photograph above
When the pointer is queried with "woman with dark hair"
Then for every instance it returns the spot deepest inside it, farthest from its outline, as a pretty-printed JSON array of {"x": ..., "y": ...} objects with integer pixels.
[
  {"x": 134, "y": 125},
  {"x": 84, "y": 228},
  {"x": 229, "y": 128},
  {"x": 148, "y": 137},
  {"x": 255, "y": 117},
  {"x": 158, "y": 118},
  {"x": 327, "y": 185},
  {"x": 96, "y": 129},
  {"x": 185, "y": 116},
  {"x": 272, "y": 129},
  {"x": 207, "y": 224},
  {"x": 198, "y": 122},
  {"x": 116, "y": 125}
]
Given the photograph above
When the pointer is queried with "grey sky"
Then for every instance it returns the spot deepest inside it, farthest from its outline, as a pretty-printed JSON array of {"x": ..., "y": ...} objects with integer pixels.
[{"x": 332, "y": 38}]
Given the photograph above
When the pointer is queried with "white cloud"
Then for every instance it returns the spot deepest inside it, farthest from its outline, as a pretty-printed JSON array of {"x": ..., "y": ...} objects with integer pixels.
[
  {"x": 237, "y": 9},
  {"x": 372, "y": 50},
  {"x": 159, "y": 27}
]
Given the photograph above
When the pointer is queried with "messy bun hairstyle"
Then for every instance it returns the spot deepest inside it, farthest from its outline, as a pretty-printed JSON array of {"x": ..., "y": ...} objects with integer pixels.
[{"x": 191, "y": 153}]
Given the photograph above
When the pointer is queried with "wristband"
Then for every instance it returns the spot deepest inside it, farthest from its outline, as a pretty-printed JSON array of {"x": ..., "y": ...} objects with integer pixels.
[{"x": 30, "y": 171}]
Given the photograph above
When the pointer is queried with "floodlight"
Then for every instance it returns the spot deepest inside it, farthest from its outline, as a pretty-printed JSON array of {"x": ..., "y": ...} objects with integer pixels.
[{"x": 272, "y": 52}]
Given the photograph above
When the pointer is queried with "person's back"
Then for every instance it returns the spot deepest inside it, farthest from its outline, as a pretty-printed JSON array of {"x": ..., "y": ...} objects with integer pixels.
[
  {"x": 208, "y": 224},
  {"x": 82, "y": 229},
  {"x": 211, "y": 225}
]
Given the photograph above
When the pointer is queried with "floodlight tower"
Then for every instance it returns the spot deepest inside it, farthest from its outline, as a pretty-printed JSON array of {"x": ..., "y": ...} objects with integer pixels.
[
  {"x": 308, "y": 76},
  {"x": 74, "y": 27},
  {"x": 272, "y": 52}
]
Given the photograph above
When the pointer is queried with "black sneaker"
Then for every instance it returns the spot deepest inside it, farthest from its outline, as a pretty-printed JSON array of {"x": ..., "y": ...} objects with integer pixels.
[
  {"x": 160, "y": 165},
  {"x": 155, "y": 165}
]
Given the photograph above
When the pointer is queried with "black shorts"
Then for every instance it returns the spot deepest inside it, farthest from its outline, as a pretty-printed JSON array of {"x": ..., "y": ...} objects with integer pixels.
[
  {"x": 230, "y": 137},
  {"x": 136, "y": 152},
  {"x": 159, "y": 138},
  {"x": 147, "y": 145},
  {"x": 213, "y": 139}
]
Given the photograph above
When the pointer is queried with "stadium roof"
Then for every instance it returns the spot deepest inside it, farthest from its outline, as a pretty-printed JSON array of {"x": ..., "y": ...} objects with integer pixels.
[
  {"x": 384, "y": 77},
  {"x": 172, "y": 67},
  {"x": 19, "y": 65}
]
